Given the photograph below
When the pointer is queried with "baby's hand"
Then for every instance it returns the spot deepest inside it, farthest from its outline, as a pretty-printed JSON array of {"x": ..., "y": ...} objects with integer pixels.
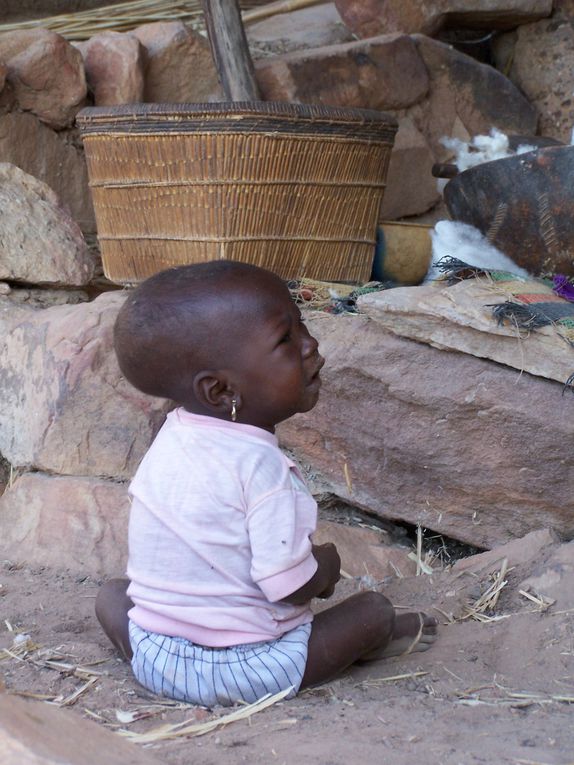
[{"x": 330, "y": 564}]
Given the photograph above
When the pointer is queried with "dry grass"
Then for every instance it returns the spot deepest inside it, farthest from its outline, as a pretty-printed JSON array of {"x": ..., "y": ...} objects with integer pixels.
[
  {"x": 497, "y": 695},
  {"x": 488, "y": 600},
  {"x": 189, "y": 728},
  {"x": 126, "y": 16}
]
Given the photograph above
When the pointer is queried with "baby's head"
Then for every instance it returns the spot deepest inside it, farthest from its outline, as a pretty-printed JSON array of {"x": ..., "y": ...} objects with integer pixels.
[{"x": 219, "y": 338}]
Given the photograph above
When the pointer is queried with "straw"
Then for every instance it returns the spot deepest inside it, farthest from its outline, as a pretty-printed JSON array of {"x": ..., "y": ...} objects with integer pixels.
[
  {"x": 488, "y": 600},
  {"x": 165, "y": 732},
  {"x": 123, "y": 17}
]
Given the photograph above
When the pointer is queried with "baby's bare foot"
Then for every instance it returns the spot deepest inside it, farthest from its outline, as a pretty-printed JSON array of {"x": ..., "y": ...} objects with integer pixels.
[{"x": 413, "y": 632}]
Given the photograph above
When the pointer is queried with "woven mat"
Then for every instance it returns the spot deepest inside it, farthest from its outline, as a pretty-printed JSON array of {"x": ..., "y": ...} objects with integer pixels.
[{"x": 529, "y": 304}]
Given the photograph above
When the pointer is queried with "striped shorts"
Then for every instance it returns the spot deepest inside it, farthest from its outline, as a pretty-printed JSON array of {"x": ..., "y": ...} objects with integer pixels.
[{"x": 182, "y": 670}]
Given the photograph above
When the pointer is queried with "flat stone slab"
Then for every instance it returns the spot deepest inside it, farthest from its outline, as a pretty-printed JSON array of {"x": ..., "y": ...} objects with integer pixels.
[{"x": 459, "y": 318}]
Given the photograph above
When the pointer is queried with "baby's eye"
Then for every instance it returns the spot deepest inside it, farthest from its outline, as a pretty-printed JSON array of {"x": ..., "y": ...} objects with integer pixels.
[{"x": 286, "y": 337}]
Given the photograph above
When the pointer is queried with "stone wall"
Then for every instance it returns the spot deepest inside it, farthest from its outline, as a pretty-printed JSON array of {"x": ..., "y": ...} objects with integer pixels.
[
  {"x": 463, "y": 445},
  {"x": 379, "y": 55}
]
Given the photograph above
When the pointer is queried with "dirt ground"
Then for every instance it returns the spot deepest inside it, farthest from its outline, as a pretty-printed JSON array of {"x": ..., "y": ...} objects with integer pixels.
[{"x": 499, "y": 691}]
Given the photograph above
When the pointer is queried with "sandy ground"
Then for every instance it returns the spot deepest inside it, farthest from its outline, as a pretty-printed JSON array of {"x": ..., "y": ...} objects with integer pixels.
[{"x": 495, "y": 692}]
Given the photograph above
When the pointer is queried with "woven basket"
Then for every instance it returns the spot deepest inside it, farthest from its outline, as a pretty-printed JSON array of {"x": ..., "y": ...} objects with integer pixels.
[{"x": 295, "y": 189}]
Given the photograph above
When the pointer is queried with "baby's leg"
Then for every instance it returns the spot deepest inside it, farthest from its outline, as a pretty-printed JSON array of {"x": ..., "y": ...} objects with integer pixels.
[
  {"x": 364, "y": 627},
  {"x": 112, "y": 606}
]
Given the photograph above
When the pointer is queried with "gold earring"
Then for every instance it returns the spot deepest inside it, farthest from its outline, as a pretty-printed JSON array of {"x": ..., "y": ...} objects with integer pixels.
[{"x": 233, "y": 410}]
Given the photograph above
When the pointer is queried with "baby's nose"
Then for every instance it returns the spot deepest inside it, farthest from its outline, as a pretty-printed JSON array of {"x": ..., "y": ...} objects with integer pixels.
[{"x": 310, "y": 345}]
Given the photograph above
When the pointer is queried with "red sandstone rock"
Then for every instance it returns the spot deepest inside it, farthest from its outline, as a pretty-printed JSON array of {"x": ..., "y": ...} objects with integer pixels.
[
  {"x": 34, "y": 733},
  {"x": 46, "y": 74},
  {"x": 382, "y": 73},
  {"x": 367, "y": 18},
  {"x": 411, "y": 188},
  {"x": 66, "y": 408},
  {"x": 461, "y": 445},
  {"x": 39, "y": 511},
  {"x": 363, "y": 552},
  {"x": 39, "y": 241},
  {"x": 540, "y": 61},
  {"x": 53, "y": 158},
  {"x": 114, "y": 68},
  {"x": 467, "y": 95},
  {"x": 179, "y": 66}
]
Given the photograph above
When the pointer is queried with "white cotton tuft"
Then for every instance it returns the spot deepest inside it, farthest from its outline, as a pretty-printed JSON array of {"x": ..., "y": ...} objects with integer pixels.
[
  {"x": 482, "y": 148},
  {"x": 464, "y": 242}
]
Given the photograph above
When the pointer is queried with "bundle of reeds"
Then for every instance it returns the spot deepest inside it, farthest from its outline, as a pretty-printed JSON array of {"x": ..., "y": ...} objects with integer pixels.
[{"x": 125, "y": 16}]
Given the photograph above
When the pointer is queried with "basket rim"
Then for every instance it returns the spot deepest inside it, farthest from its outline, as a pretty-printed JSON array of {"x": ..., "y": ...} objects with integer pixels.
[{"x": 236, "y": 110}]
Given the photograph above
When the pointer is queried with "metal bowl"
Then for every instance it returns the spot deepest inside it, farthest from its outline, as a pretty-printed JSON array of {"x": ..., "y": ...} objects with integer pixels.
[{"x": 524, "y": 205}]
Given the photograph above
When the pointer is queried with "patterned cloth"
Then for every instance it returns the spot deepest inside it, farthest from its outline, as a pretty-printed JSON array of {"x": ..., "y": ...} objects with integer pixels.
[
  {"x": 530, "y": 303},
  {"x": 179, "y": 669}
]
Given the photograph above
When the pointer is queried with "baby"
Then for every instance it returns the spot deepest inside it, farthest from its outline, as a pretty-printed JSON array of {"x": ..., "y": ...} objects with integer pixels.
[{"x": 222, "y": 569}]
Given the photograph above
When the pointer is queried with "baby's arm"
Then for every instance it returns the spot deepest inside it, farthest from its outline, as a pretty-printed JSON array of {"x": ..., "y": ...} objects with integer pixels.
[{"x": 322, "y": 583}]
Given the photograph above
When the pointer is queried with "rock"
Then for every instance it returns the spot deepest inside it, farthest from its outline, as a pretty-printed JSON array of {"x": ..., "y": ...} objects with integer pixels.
[
  {"x": 42, "y": 298},
  {"x": 34, "y": 733},
  {"x": 38, "y": 511},
  {"x": 554, "y": 577},
  {"x": 114, "y": 64},
  {"x": 66, "y": 407},
  {"x": 411, "y": 188},
  {"x": 459, "y": 318},
  {"x": 368, "y": 18},
  {"x": 313, "y": 27},
  {"x": 3, "y": 73},
  {"x": 179, "y": 67},
  {"x": 46, "y": 74},
  {"x": 542, "y": 66},
  {"x": 521, "y": 551},
  {"x": 54, "y": 158},
  {"x": 381, "y": 73},
  {"x": 461, "y": 445},
  {"x": 363, "y": 553},
  {"x": 39, "y": 241},
  {"x": 466, "y": 95}
]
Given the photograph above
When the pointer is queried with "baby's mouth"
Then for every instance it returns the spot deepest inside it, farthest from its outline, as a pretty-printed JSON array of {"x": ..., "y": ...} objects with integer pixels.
[{"x": 316, "y": 376}]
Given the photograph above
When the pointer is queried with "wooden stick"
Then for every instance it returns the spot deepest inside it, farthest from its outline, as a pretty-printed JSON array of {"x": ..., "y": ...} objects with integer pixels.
[{"x": 230, "y": 50}]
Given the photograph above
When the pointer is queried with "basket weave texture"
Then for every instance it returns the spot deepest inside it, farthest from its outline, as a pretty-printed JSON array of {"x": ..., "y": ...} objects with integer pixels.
[{"x": 295, "y": 189}]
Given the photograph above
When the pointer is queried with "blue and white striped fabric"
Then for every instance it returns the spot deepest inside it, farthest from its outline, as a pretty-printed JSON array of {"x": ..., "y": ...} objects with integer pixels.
[{"x": 179, "y": 669}]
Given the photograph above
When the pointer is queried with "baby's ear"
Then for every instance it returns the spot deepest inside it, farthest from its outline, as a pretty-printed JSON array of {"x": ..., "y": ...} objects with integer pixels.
[{"x": 212, "y": 391}]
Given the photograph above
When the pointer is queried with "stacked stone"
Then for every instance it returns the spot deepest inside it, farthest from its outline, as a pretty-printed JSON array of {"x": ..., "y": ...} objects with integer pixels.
[{"x": 72, "y": 430}]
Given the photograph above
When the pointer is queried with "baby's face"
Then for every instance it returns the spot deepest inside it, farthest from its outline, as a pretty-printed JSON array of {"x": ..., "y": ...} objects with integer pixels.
[{"x": 277, "y": 362}]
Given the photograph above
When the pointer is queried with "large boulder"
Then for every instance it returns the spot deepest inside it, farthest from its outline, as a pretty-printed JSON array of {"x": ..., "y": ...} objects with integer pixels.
[
  {"x": 433, "y": 89},
  {"x": 39, "y": 511},
  {"x": 539, "y": 59},
  {"x": 46, "y": 74},
  {"x": 367, "y": 18},
  {"x": 178, "y": 64},
  {"x": 39, "y": 241},
  {"x": 66, "y": 407},
  {"x": 54, "y": 158},
  {"x": 114, "y": 64},
  {"x": 466, "y": 96},
  {"x": 382, "y": 73},
  {"x": 464, "y": 446}
]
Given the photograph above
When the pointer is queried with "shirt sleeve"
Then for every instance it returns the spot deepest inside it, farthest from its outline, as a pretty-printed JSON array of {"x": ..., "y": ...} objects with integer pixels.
[{"x": 279, "y": 527}]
